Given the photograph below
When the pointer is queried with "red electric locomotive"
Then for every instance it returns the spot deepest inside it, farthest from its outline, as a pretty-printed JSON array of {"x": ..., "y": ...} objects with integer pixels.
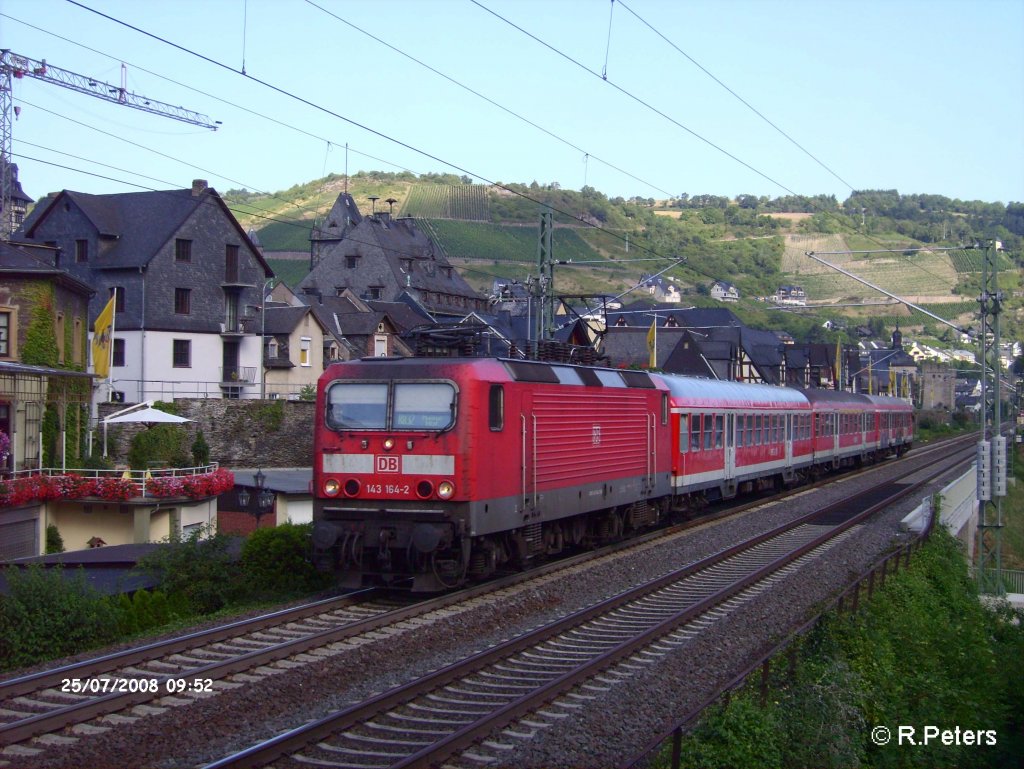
[{"x": 432, "y": 471}]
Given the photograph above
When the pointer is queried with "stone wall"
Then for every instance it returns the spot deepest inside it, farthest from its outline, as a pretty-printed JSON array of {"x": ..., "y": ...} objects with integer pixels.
[{"x": 240, "y": 433}]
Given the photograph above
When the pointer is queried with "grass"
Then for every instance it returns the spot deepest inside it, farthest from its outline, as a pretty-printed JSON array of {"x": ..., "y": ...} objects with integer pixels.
[{"x": 1013, "y": 515}]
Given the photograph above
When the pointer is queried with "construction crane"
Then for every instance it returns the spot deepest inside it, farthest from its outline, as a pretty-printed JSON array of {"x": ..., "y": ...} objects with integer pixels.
[{"x": 14, "y": 67}]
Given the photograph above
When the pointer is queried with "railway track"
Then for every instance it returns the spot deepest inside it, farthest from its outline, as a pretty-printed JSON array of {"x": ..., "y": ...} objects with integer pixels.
[
  {"x": 193, "y": 666},
  {"x": 189, "y": 665},
  {"x": 449, "y": 716}
]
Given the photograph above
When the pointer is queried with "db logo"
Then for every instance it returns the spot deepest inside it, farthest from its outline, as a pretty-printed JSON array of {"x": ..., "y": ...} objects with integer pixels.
[{"x": 385, "y": 463}]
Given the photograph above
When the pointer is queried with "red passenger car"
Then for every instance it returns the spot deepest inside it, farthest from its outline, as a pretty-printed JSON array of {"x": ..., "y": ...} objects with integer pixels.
[{"x": 728, "y": 436}]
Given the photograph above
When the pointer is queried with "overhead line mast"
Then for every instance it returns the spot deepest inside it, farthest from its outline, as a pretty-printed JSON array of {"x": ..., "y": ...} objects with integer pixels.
[{"x": 15, "y": 66}]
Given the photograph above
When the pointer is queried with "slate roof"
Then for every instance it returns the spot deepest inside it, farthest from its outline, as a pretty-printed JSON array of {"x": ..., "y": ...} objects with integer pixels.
[
  {"x": 403, "y": 314},
  {"x": 138, "y": 223},
  {"x": 279, "y": 320},
  {"x": 627, "y": 346},
  {"x": 35, "y": 260},
  {"x": 109, "y": 570}
]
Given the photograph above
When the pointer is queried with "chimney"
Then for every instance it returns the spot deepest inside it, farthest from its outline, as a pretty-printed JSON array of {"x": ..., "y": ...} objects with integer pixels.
[{"x": 198, "y": 187}]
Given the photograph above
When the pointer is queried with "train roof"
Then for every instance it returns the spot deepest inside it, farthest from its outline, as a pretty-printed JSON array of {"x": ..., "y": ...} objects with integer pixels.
[
  {"x": 836, "y": 398},
  {"x": 498, "y": 370},
  {"x": 712, "y": 392},
  {"x": 888, "y": 402}
]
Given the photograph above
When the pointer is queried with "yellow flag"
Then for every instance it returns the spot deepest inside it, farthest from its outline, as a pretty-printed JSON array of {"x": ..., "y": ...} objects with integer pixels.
[
  {"x": 102, "y": 340},
  {"x": 652, "y": 344},
  {"x": 892, "y": 382}
]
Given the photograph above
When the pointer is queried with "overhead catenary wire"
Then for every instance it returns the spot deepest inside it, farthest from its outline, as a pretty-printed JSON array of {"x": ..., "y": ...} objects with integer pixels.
[
  {"x": 351, "y": 121},
  {"x": 743, "y": 101},
  {"x": 220, "y": 99},
  {"x": 487, "y": 99},
  {"x": 236, "y": 208},
  {"x": 672, "y": 120},
  {"x": 632, "y": 96},
  {"x": 690, "y": 267},
  {"x": 608, "y": 43}
]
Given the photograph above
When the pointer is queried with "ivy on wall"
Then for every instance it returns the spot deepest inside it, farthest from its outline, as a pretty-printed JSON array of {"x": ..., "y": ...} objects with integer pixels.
[{"x": 41, "y": 349}]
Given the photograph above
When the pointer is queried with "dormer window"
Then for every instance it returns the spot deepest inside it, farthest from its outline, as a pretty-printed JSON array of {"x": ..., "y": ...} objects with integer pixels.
[{"x": 351, "y": 261}]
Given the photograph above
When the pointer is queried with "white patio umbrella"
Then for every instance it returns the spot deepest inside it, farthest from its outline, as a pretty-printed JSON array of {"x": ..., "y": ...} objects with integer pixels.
[{"x": 147, "y": 416}]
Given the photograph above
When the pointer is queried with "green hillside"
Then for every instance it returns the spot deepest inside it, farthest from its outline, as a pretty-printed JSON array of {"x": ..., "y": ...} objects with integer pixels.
[
  {"x": 755, "y": 243},
  {"x": 503, "y": 242}
]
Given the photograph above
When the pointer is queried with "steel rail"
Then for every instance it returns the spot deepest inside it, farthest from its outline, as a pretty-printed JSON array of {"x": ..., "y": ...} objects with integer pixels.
[
  {"x": 97, "y": 665},
  {"x": 296, "y": 739},
  {"x": 59, "y": 717}
]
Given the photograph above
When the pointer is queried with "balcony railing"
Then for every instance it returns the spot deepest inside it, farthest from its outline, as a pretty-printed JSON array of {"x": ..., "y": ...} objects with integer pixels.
[
  {"x": 138, "y": 390},
  {"x": 238, "y": 374}
]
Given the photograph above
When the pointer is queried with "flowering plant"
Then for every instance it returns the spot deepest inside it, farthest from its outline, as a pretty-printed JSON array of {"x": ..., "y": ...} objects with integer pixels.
[
  {"x": 5, "y": 447},
  {"x": 194, "y": 486},
  {"x": 116, "y": 489},
  {"x": 40, "y": 488}
]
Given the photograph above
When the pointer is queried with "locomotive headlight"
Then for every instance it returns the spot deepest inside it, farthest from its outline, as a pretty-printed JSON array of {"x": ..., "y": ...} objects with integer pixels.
[
  {"x": 445, "y": 489},
  {"x": 389, "y": 443},
  {"x": 331, "y": 487}
]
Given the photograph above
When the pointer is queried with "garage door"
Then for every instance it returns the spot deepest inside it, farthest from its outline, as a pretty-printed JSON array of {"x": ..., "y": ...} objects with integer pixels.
[{"x": 18, "y": 540}]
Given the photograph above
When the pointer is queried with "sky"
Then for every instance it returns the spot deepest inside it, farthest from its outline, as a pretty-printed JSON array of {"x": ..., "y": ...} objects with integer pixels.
[{"x": 649, "y": 98}]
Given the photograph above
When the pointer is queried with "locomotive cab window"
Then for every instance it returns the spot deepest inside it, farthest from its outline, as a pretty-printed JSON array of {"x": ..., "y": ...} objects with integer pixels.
[
  {"x": 357, "y": 406},
  {"x": 423, "y": 406},
  {"x": 380, "y": 406}
]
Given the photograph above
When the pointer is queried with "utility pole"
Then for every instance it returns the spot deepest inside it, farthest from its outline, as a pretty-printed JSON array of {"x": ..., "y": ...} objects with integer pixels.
[
  {"x": 992, "y": 448},
  {"x": 15, "y": 67},
  {"x": 546, "y": 270}
]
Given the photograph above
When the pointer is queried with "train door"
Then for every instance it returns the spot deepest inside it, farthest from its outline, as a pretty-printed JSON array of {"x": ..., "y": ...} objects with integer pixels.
[
  {"x": 528, "y": 456},
  {"x": 730, "y": 446},
  {"x": 788, "y": 439}
]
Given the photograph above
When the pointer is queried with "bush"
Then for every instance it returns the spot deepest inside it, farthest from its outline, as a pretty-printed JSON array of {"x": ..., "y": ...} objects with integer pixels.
[
  {"x": 163, "y": 443},
  {"x": 277, "y": 560},
  {"x": 97, "y": 462},
  {"x": 148, "y": 609},
  {"x": 201, "y": 573},
  {"x": 923, "y": 650},
  {"x": 200, "y": 450},
  {"x": 47, "y": 615},
  {"x": 54, "y": 541}
]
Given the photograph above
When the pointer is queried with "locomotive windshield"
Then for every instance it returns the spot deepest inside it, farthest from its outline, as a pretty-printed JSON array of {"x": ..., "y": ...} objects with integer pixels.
[{"x": 395, "y": 406}]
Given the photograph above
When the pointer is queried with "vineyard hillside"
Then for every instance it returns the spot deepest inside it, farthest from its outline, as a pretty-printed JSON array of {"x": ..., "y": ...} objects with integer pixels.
[{"x": 604, "y": 245}]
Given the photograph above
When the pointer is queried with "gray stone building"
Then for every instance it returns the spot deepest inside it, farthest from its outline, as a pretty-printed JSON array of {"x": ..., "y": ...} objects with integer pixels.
[
  {"x": 185, "y": 277},
  {"x": 378, "y": 258}
]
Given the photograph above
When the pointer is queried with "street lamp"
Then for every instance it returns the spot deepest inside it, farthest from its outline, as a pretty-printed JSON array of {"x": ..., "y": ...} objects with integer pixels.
[
  {"x": 263, "y": 338},
  {"x": 262, "y": 500}
]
